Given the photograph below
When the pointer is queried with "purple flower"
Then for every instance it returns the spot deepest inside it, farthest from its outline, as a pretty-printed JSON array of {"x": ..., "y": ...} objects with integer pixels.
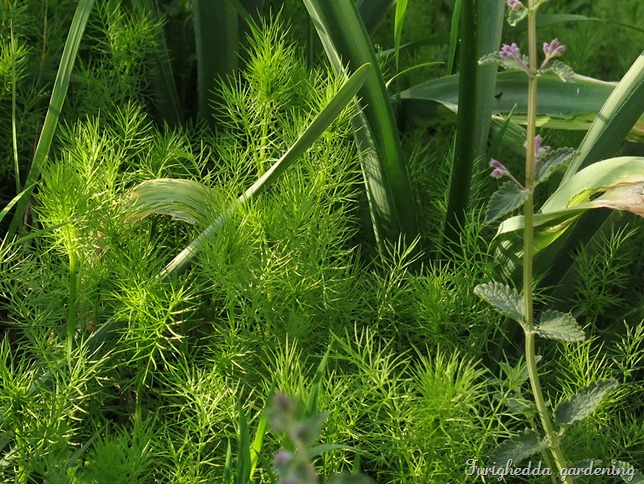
[
  {"x": 512, "y": 59},
  {"x": 553, "y": 48},
  {"x": 510, "y": 51},
  {"x": 515, "y": 4},
  {"x": 282, "y": 459},
  {"x": 499, "y": 169},
  {"x": 538, "y": 149}
]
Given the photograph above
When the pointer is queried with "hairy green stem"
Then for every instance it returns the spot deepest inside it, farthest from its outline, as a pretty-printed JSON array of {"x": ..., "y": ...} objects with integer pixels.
[{"x": 528, "y": 248}]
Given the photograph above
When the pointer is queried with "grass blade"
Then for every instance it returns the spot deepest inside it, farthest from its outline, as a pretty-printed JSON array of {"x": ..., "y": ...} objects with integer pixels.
[
  {"x": 464, "y": 155},
  {"x": 453, "y": 35},
  {"x": 243, "y": 452},
  {"x": 58, "y": 94},
  {"x": 373, "y": 12},
  {"x": 490, "y": 17},
  {"x": 162, "y": 82},
  {"x": 346, "y": 43},
  {"x": 399, "y": 19},
  {"x": 13, "y": 201},
  {"x": 346, "y": 93},
  {"x": 217, "y": 46}
]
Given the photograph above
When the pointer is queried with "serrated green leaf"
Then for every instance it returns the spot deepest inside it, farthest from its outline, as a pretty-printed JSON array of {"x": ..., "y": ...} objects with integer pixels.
[
  {"x": 518, "y": 448},
  {"x": 629, "y": 473},
  {"x": 559, "y": 326},
  {"x": 552, "y": 160},
  {"x": 492, "y": 58},
  {"x": 516, "y": 16},
  {"x": 584, "y": 403},
  {"x": 521, "y": 406},
  {"x": 563, "y": 71},
  {"x": 505, "y": 200},
  {"x": 505, "y": 299}
]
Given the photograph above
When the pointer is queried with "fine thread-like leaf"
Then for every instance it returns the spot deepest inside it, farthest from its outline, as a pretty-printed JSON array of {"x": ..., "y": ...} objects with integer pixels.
[
  {"x": 584, "y": 403},
  {"x": 513, "y": 451},
  {"x": 314, "y": 130},
  {"x": 559, "y": 326},
  {"x": 505, "y": 299},
  {"x": 506, "y": 199}
]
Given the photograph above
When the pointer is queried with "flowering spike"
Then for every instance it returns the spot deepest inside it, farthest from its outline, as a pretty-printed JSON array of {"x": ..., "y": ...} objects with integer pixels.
[{"x": 515, "y": 4}]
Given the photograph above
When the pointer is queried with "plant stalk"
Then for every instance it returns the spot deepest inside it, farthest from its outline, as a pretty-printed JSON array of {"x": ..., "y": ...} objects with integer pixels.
[
  {"x": 528, "y": 248},
  {"x": 73, "y": 298}
]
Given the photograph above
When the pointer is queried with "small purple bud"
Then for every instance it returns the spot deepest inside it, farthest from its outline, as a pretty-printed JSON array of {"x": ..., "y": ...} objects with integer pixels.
[
  {"x": 553, "y": 49},
  {"x": 515, "y": 4},
  {"x": 282, "y": 402},
  {"x": 538, "y": 149},
  {"x": 499, "y": 169},
  {"x": 509, "y": 50},
  {"x": 282, "y": 459}
]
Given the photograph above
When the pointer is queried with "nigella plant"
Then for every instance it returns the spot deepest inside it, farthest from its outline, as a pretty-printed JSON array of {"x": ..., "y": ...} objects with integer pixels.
[{"x": 599, "y": 186}]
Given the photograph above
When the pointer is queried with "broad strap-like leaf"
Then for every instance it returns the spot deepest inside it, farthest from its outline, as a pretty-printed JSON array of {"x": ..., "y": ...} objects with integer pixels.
[
  {"x": 347, "y": 45},
  {"x": 616, "y": 183},
  {"x": 629, "y": 196},
  {"x": 551, "y": 161},
  {"x": 518, "y": 448},
  {"x": 559, "y": 326},
  {"x": 506, "y": 300},
  {"x": 58, "y": 95},
  {"x": 185, "y": 200},
  {"x": 505, "y": 200},
  {"x": 562, "y": 105},
  {"x": 584, "y": 403},
  {"x": 598, "y": 177},
  {"x": 617, "y": 117}
]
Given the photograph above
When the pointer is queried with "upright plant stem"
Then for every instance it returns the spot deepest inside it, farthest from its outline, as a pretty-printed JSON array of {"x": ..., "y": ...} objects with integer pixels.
[
  {"x": 528, "y": 247},
  {"x": 73, "y": 297}
]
